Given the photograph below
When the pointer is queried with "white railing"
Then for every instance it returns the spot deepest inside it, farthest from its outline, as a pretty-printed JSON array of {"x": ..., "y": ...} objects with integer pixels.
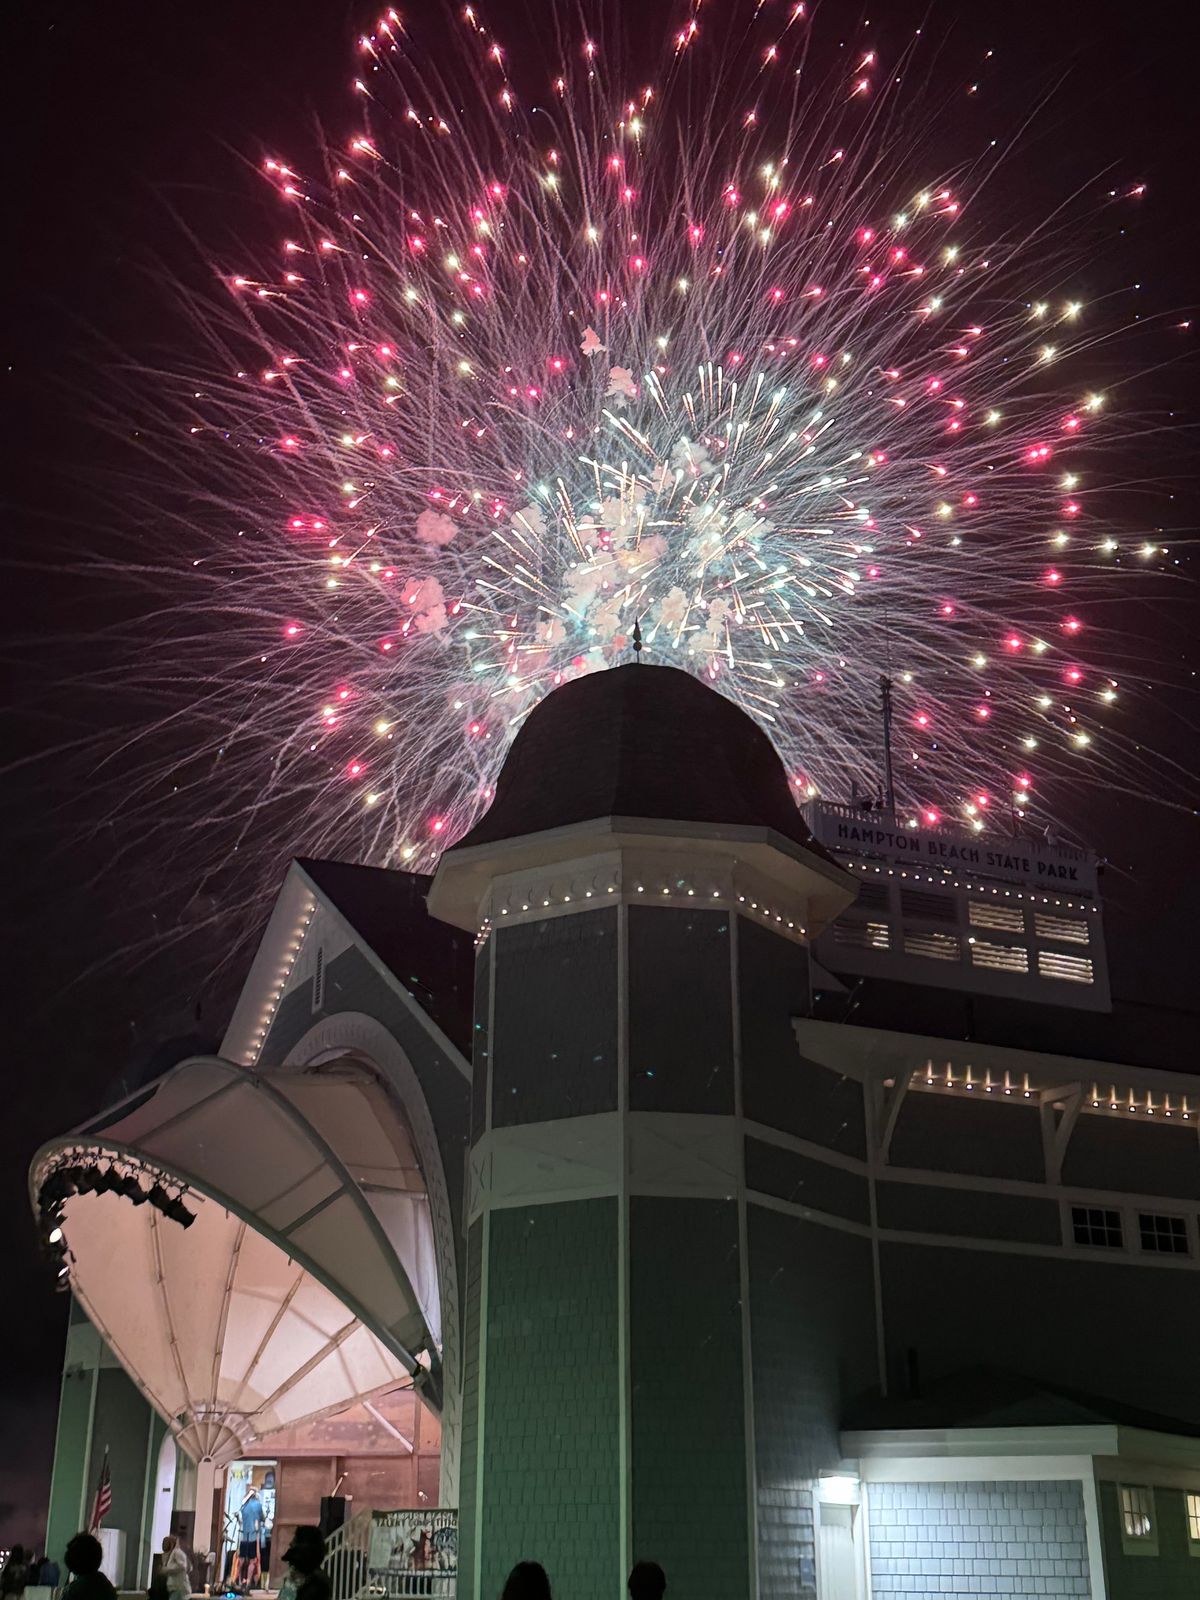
[
  {"x": 359, "y": 1572},
  {"x": 346, "y": 1552},
  {"x": 414, "y": 1586}
]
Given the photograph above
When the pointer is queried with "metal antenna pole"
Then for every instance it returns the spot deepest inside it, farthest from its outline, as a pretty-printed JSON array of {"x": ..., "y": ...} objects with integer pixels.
[
  {"x": 885, "y": 702},
  {"x": 885, "y": 699}
]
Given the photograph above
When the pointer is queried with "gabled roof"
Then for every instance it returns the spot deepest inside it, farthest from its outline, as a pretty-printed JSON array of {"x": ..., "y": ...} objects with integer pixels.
[
  {"x": 990, "y": 1397},
  {"x": 433, "y": 961}
]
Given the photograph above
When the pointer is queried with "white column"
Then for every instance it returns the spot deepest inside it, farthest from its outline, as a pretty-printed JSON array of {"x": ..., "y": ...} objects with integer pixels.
[
  {"x": 206, "y": 1483},
  {"x": 1095, "y": 1543}
]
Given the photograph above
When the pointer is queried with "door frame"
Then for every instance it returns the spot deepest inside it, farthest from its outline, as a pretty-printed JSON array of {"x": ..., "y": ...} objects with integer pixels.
[{"x": 843, "y": 1489}]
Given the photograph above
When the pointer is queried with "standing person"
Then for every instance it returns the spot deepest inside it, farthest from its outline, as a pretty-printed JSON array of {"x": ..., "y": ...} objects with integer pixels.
[
  {"x": 528, "y": 1580},
  {"x": 647, "y": 1581},
  {"x": 305, "y": 1579},
  {"x": 15, "y": 1575},
  {"x": 84, "y": 1556},
  {"x": 176, "y": 1575},
  {"x": 48, "y": 1572},
  {"x": 249, "y": 1557}
]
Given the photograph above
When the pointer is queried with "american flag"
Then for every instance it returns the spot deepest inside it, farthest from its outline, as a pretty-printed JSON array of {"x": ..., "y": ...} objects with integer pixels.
[{"x": 102, "y": 1504}]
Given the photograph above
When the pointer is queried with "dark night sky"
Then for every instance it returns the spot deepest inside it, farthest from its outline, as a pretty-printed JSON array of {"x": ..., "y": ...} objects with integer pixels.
[{"x": 117, "y": 115}]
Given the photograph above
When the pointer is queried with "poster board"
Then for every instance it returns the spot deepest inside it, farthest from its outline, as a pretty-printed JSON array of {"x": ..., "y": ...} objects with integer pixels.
[{"x": 413, "y": 1552}]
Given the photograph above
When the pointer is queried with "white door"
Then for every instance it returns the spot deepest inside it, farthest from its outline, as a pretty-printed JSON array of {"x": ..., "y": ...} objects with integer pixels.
[{"x": 837, "y": 1557}]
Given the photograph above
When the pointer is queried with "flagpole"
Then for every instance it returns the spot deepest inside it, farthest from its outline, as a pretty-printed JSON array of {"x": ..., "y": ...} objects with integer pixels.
[{"x": 102, "y": 1504}]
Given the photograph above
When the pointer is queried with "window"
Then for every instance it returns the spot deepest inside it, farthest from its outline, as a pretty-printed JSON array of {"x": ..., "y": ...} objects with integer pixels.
[
  {"x": 1163, "y": 1235},
  {"x": 1139, "y": 1535},
  {"x": 1137, "y": 1512},
  {"x": 1191, "y": 1512},
  {"x": 1092, "y": 1225}
]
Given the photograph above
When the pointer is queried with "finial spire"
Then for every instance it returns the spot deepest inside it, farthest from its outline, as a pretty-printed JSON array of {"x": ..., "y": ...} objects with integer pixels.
[{"x": 637, "y": 639}]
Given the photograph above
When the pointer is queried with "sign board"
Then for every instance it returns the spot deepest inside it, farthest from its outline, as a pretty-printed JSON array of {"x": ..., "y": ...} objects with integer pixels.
[
  {"x": 1026, "y": 861},
  {"x": 408, "y": 1548}
]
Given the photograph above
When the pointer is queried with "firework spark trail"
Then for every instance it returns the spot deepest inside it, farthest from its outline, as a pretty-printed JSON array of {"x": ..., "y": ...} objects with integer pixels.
[{"x": 709, "y": 356}]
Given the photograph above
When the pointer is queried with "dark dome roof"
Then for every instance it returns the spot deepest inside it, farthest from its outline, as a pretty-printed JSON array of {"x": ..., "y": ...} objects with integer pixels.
[{"x": 638, "y": 741}]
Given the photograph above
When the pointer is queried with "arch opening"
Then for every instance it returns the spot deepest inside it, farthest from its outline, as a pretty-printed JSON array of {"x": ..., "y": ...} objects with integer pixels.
[{"x": 257, "y": 1250}]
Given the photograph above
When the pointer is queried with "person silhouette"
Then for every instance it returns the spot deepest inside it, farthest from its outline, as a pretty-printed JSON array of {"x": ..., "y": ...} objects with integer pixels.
[
  {"x": 647, "y": 1581},
  {"x": 15, "y": 1575},
  {"x": 84, "y": 1555},
  {"x": 306, "y": 1580},
  {"x": 527, "y": 1581}
]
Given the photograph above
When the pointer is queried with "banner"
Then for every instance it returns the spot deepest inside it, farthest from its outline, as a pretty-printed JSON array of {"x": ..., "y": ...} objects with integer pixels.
[
  {"x": 411, "y": 1545},
  {"x": 1025, "y": 861}
]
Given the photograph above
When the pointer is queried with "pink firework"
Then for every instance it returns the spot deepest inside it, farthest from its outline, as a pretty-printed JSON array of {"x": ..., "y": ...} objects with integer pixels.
[{"x": 539, "y": 354}]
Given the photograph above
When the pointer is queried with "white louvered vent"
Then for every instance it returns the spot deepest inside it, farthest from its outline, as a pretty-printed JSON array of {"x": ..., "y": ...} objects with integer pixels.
[
  {"x": 922, "y": 905},
  {"x": 872, "y": 897},
  {"x": 1070, "y": 969},
  {"x": 1067, "y": 930},
  {"x": 933, "y": 946},
  {"x": 1008, "y": 919},
  {"x": 862, "y": 935},
  {"x": 1000, "y": 957}
]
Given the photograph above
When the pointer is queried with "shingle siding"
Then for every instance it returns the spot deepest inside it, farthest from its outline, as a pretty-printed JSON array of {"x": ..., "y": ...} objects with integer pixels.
[
  {"x": 961, "y": 1541},
  {"x": 551, "y": 1461}
]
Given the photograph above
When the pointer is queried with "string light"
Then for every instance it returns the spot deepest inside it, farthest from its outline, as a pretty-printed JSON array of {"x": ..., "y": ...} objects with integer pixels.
[
  {"x": 678, "y": 890},
  {"x": 1114, "y": 1099},
  {"x": 280, "y": 982}
]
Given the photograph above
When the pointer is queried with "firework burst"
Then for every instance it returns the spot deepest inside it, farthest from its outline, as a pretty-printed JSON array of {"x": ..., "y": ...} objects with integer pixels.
[{"x": 534, "y": 362}]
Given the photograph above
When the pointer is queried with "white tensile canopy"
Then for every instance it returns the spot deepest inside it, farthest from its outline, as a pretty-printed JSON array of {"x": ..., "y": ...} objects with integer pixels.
[{"x": 307, "y": 1280}]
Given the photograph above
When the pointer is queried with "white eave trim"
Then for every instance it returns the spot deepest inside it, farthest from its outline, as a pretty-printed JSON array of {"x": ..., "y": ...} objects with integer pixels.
[
  {"x": 877, "y": 1052},
  {"x": 909, "y": 1444},
  {"x": 270, "y": 969},
  {"x": 298, "y": 897},
  {"x": 1114, "y": 1450},
  {"x": 1165, "y": 1449},
  {"x": 464, "y": 875}
]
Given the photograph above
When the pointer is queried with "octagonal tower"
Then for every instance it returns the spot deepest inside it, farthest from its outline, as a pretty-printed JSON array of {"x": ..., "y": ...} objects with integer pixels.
[{"x": 644, "y": 890}]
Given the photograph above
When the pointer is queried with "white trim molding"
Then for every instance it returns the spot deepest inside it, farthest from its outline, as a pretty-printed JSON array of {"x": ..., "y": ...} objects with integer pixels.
[
  {"x": 352, "y": 1033},
  {"x": 467, "y": 880}
]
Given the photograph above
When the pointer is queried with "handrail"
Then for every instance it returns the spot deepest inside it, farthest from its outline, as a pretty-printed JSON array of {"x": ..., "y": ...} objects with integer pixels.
[{"x": 346, "y": 1553}]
